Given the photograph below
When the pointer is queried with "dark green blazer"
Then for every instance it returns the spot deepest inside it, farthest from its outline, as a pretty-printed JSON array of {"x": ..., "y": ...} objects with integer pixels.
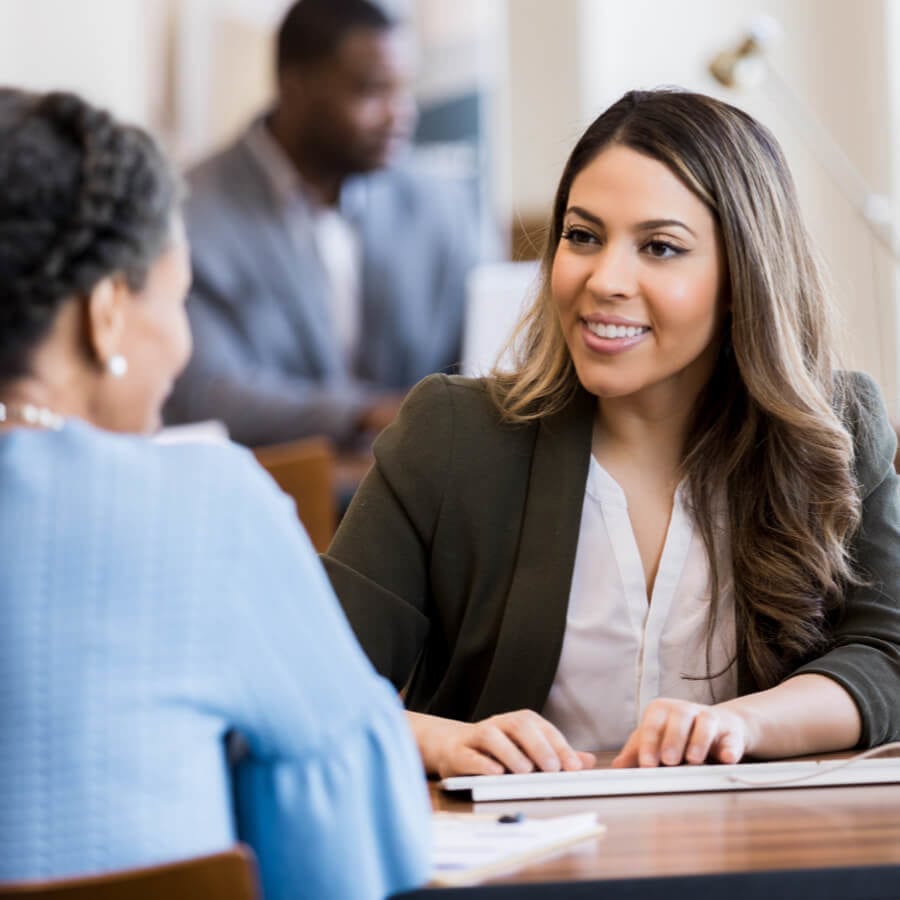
[{"x": 455, "y": 559}]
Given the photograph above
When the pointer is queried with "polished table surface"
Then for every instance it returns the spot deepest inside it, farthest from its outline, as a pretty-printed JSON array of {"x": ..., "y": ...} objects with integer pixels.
[{"x": 819, "y": 842}]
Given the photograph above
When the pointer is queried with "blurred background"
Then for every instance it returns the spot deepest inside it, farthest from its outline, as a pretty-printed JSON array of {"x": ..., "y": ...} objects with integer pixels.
[{"x": 506, "y": 86}]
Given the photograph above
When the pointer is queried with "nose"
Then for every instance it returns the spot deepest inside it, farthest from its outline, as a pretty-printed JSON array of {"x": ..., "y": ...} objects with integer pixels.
[{"x": 614, "y": 273}]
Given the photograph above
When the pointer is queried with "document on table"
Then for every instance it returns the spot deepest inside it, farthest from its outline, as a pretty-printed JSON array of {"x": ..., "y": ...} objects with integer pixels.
[
  {"x": 472, "y": 847},
  {"x": 676, "y": 779}
]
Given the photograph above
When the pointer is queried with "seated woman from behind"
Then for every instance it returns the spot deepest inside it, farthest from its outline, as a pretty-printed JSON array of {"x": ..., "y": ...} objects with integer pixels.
[
  {"x": 673, "y": 530},
  {"x": 156, "y": 600}
]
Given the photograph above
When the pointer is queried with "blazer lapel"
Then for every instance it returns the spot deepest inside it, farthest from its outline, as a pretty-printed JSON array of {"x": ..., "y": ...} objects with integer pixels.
[
  {"x": 294, "y": 273},
  {"x": 531, "y": 632}
]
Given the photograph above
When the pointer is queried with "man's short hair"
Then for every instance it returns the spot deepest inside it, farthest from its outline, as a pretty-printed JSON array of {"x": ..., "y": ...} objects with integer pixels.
[{"x": 312, "y": 29}]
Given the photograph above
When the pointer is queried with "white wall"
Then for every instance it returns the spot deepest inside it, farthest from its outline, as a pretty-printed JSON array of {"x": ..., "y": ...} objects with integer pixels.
[
  {"x": 102, "y": 49},
  {"x": 192, "y": 70},
  {"x": 543, "y": 99},
  {"x": 225, "y": 69}
]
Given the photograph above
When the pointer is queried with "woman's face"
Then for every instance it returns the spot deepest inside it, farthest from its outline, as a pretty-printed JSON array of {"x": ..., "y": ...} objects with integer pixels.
[
  {"x": 156, "y": 341},
  {"x": 637, "y": 280}
]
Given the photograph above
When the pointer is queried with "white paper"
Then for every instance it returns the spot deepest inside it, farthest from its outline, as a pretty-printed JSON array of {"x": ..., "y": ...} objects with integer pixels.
[{"x": 470, "y": 847}]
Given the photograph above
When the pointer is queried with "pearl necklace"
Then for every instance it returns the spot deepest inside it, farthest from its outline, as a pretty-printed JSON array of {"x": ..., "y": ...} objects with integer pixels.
[{"x": 38, "y": 416}]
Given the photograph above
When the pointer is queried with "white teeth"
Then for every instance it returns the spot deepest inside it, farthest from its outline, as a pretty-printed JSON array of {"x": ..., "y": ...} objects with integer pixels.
[{"x": 616, "y": 331}]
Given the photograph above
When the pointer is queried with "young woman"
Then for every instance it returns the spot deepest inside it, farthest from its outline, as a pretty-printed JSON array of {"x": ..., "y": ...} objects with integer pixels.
[
  {"x": 673, "y": 529},
  {"x": 157, "y": 601}
]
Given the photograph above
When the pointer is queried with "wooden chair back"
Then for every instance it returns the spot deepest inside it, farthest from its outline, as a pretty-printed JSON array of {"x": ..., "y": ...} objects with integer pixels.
[
  {"x": 230, "y": 875},
  {"x": 304, "y": 470}
]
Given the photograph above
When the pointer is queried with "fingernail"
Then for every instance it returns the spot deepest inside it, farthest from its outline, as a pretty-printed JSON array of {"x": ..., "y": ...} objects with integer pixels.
[
  {"x": 550, "y": 764},
  {"x": 670, "y": 757}
]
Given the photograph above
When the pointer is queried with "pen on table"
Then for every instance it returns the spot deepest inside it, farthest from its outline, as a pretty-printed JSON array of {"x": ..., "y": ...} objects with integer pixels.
[{"x": 504, "y": 819}]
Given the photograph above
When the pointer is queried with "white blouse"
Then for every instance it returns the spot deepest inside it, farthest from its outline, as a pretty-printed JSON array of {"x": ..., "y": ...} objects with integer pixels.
[{"x": 619, "y": 651}]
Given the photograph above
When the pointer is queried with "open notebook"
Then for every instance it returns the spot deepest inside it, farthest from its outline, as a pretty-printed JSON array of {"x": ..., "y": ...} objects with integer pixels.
[{"x": 677, "y": 779}]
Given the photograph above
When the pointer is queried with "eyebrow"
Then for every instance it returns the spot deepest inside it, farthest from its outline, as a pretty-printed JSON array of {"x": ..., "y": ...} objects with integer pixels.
[{"x": 649, "y": 225}]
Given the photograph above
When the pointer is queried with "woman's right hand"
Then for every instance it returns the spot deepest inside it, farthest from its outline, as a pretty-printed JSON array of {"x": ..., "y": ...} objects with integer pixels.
[{"x": 520, "y": 741}]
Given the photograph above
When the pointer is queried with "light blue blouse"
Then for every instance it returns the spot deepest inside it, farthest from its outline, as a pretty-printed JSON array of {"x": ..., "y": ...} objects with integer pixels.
[{"x": 154, "y": 599}]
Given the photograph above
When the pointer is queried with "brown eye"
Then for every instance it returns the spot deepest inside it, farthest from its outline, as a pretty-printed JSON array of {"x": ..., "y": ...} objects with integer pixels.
[
  {"x": 662, "y": 249},
  {"x": 578, "y": 236}
]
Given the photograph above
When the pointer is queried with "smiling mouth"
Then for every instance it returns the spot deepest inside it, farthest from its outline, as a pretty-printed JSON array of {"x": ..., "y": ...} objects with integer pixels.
[{"x": 614, "y": 332}]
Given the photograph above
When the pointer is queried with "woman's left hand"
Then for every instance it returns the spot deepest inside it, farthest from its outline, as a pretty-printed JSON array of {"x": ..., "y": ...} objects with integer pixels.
[{"x": 675, "y": 731}]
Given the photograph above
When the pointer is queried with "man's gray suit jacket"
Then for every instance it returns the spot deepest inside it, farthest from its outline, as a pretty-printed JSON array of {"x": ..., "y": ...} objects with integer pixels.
[{"x": 265, "y": 360}]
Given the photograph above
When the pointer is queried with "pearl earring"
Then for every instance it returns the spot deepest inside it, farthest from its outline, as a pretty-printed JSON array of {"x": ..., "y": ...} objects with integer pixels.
[{"x": 117, "y": 365}]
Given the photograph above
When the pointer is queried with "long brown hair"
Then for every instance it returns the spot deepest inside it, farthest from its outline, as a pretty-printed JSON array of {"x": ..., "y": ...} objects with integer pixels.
[{"x": 768, "y": 430}]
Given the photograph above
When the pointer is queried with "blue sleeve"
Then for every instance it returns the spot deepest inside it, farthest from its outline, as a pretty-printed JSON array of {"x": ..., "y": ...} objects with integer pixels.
[{"x": 331, "y": 795}]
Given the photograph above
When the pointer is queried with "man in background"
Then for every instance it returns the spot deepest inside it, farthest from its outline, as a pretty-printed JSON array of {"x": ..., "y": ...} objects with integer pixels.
[{"x": 328, "y": 276}]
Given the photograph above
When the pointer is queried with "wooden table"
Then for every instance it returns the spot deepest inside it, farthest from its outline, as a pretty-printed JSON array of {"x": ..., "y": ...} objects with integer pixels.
[{"x": 822, "y": 843}]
